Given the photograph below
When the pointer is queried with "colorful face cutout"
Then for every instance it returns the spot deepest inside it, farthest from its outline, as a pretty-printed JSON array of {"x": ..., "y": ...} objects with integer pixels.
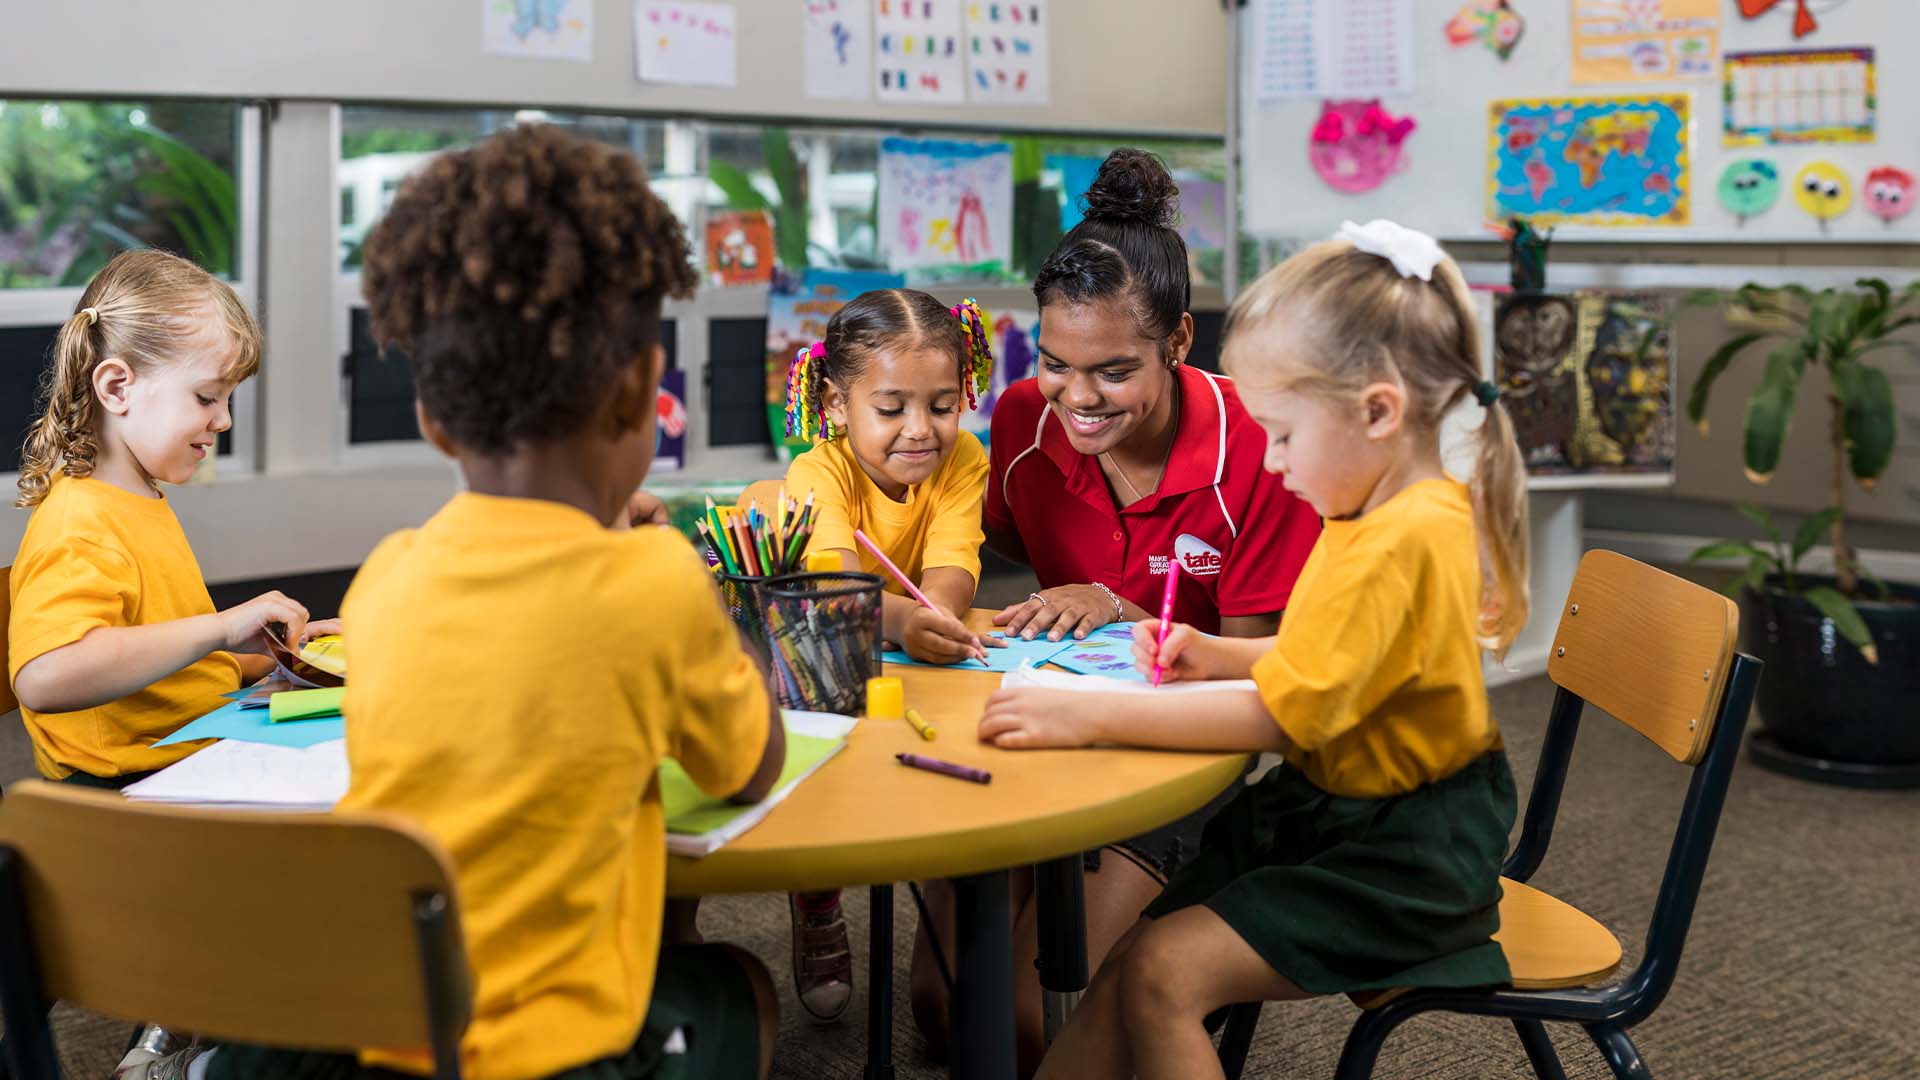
[
  {"x": 1823, "y": 190},
  {"x": 1888, "y": 193},
  {"x": 1357, "y": 144},
  {"x": 1748, "y": 187},
  {"x": 1493, "y": 23}
]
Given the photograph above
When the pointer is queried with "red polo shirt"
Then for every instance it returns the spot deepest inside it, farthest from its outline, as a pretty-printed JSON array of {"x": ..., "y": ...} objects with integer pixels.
[{"x": 1241, "y": 536}]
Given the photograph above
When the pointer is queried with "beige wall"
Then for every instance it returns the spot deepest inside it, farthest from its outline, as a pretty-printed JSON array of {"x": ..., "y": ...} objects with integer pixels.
[{"x": 1139, "y": 66}]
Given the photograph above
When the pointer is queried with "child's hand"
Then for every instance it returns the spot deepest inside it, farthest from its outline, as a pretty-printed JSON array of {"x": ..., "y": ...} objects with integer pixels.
[
  {"x": 1184, "y": 656},
  {"x": 936, "y": 637},
  {"x": 643, "y": 508},
  {"x": 245, "y": 626},
  {"x": 319, "y": 629},
  {"x": 1033, "y": 719}
]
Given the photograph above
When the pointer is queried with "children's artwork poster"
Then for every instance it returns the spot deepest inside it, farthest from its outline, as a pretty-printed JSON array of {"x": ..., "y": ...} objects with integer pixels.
[
  {"x": 1332, "y": 48},
  {"x": 1203, "y": 213},
  {"x": 918, "y": 55},
  {"x": 1007, "y": 56},
  {"x": 1013, "y": 333},
  {"x": 946, "y": 205},
  {"x": 1798, "y": 96},
  {"x": 1801, "y": 11},
  {"x": 1587, "y": 379},
  {"x": 684, "y": 43},
  {"x": 1630, "y": 41},
  {"x": 541, "y": 29},
  {"x": 1077, "y": 173},
  {"x": 670, "y": 428},
  {"x": 739, "y": 247},
  {"x": 836, "y": 49},
  {"x": 1589, "y": 161},
  {"x": 798, "y": 308}
]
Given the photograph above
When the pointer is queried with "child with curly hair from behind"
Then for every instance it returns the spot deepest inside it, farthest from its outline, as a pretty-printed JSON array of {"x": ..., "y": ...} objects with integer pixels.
[{"x": 524, "y": 661}]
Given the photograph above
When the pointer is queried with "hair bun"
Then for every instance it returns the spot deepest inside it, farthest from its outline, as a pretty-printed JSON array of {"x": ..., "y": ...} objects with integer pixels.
[{"x": 1134, "y": 185}]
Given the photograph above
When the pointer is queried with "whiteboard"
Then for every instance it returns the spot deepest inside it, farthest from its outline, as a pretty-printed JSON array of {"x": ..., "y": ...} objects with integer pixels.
[{"x": 1443, "y": 189}]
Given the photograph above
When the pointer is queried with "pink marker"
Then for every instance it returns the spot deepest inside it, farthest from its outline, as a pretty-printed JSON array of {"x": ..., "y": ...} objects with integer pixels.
[
  {"x": 1166, "y": 613},
  {"x": 906, "y": 584}
]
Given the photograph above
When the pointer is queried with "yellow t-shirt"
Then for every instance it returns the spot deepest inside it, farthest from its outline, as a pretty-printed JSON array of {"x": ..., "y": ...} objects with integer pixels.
[
  {"x": 518, "y": 672},
  {"x": 1375, "y": 674},
  {"x": 95, "y": 555},
  {"x": 937, "y": 524}
]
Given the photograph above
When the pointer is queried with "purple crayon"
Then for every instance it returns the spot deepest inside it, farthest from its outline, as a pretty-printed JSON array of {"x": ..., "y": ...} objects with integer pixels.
[{"x": 945, "y": 768}]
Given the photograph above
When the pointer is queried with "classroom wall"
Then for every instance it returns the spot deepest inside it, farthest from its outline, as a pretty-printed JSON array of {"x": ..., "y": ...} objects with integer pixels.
[
  {"x": 1130, "y": 66},
  {"x": 1138, "y": 66}
]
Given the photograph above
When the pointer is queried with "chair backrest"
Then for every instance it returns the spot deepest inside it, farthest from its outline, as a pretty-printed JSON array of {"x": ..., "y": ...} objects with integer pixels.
[
  {"x": 765, "y": 492},
  {"x": 1650, "y": 648},
  {"x": 8, "y": 702},
  {"x": 1657, "y": 652},
  {"x": 319, "y": 931}
]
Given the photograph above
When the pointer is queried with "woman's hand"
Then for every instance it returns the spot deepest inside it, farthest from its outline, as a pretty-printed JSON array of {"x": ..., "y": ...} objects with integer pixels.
[
  {"x": 936, "y": 637},
  {"x": 1034, "y": 719},
  {"x": 1068, "y": 609},
  {"x": 1187, "y": 653}
]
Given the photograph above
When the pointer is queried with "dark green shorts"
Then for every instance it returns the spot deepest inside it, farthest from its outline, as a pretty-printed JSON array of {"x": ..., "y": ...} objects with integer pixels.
[
  {"x": 1342, "y": 894},
  {"x": 700, "y": 991},
  {"x": 109, "y": 783}
]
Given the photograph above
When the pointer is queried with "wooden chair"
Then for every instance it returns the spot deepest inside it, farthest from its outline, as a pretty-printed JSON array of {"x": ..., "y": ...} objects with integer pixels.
[
  {"x": 1657, "y": 653},
  {"x": 327, "y": 932}
]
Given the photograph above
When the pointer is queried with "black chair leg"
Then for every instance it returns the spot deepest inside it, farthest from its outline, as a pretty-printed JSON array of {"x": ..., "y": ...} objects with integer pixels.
[
  {"x": 1622, "y": 1056},
  {"x": 1364, "y": 1041},
  {"x": 1237, "y": 1037},
  {"x": 1546, "y": 1063}
]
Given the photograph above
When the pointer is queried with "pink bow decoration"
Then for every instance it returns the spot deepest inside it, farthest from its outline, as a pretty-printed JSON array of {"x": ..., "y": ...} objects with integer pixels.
[{"x": 1330, "y": 129}]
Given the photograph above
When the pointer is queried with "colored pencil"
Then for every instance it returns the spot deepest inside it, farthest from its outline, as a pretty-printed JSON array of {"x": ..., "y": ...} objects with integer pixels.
[{"x": 912, "y": 589}]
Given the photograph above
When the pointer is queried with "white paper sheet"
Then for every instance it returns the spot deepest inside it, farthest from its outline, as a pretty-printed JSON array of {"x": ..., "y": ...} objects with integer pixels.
[
  {"x": 236, "y": 774},
  {"x": 1051, "y": 679},
  {"x": 541, "y": 29},
  {"x": 684, "y": 43},
  {"x": 1332, "y": 48},
  {"x": 837, "y": 49},
  {"x": 918, "y": 51},
  {"x": 1007, "y": 55}
]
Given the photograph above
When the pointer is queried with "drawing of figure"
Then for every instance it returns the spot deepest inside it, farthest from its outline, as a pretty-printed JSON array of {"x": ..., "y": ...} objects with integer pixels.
[
  {"x": 970, "y": 228},
  {"x": 1533, "y": 339}
]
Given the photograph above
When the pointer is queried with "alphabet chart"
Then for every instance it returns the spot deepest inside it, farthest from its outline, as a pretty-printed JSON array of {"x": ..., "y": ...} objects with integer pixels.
[{"x": 918, "y": 56}]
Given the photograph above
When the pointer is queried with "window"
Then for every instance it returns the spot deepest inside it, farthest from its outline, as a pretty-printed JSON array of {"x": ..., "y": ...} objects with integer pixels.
[{"x": 82, "y": 181}]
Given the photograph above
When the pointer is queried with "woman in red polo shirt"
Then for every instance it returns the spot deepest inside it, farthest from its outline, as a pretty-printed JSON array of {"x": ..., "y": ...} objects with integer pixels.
[{"x": 1115, "y": 460}]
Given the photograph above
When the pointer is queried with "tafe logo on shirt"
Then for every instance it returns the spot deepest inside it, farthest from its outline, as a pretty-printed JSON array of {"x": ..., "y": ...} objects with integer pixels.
[{"x": 1197, "y": 556}]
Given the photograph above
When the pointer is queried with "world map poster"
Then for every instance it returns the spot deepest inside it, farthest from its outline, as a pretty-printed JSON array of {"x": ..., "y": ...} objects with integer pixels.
[{"x": 1589, "y": 161}]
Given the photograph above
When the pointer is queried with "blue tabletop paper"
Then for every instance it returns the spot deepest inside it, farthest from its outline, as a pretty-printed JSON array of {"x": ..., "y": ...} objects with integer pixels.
[
  {"x": 1039, "y": 650},
  {"x": 230, "y": 721},
  {"x": 1107, "y": 651}
]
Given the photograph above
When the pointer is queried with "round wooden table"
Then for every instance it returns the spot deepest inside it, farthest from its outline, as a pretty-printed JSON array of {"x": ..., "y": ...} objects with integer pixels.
[{"x": 865, "y": 819}]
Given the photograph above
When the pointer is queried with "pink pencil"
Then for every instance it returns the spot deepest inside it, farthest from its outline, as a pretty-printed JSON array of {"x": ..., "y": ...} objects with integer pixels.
[
  {"x": 912, "y": 590},
  {"x": 1166, "y": 614}
]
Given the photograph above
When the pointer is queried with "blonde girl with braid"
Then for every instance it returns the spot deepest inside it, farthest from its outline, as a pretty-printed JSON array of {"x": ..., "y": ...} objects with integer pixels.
[
  {"x": 882, "y": 396},
  {"x": 113, "y": 640}
]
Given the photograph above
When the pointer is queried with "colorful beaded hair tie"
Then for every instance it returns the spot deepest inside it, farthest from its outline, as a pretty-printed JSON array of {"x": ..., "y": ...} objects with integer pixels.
[
  {"x": 803, "y": 416},
  {"x": 979, "y": 334}
]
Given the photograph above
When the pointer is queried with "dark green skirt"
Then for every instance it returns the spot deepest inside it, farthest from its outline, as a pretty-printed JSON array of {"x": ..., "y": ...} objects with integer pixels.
[
  {"x": 1341, "y": 894},
  {"x": 699, "y": 990}
]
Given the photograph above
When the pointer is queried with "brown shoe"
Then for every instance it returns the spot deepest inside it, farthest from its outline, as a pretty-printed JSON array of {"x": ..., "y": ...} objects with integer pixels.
[{"x": 822, "y": 962}]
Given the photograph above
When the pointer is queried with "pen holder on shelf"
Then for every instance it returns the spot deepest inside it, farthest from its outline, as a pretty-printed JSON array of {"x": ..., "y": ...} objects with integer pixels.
[{"x": 823, "y": 633}]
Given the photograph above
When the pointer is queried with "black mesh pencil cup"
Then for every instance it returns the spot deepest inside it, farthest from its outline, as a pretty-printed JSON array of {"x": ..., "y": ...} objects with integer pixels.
[
  {"x": 823, "y": 632},
  {"x": 745, "y": 597}
]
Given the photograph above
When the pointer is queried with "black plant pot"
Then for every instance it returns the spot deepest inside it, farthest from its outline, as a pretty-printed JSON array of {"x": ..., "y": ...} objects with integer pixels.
[{"x": 1825, "y": 712}]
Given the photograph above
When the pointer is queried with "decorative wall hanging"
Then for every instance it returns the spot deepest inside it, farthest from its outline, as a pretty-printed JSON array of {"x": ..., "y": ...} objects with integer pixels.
[
  {"x": 1888, "y": 193},
  {"x": 1492, "y": 23},
  {"x": 1802, "y": 11},
  {"x": 1591, "y": 161},
  {"x": 1749, "y": 187},
  {"x": 1823, "y": 190},
  {"x": 1798, "y": 96},
  {"x": 1356, "y": 144}
]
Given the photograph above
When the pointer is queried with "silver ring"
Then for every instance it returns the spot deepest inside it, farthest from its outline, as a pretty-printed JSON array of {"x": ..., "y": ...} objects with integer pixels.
[{"x": 1037, "y": 596}]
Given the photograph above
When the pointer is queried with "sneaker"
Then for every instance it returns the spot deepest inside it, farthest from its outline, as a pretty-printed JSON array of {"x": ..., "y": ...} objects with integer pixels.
[
  {"x": 822, "y": 962},
  {"x": 144, "y": 1063}
]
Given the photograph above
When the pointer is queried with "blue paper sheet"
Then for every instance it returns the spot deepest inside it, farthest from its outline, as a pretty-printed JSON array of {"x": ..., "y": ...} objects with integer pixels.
[
  {"x": 1107, "y": 651},
  {"x": 230, "y": 721},
  {"x": 1039, "y": 651}
]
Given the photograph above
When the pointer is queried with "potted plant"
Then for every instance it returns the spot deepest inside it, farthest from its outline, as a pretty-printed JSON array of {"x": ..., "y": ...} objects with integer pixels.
[{"x": 1843, "y": 653}]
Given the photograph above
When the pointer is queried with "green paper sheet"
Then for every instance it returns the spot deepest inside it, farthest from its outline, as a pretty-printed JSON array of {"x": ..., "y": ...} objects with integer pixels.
[
  {"x": 305, "y": 704},
  {"x": 693, "y": 812}
]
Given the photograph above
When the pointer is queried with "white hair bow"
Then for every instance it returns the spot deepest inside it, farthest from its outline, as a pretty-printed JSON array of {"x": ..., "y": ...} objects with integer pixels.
[{"x": 1411, "y": 251}]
